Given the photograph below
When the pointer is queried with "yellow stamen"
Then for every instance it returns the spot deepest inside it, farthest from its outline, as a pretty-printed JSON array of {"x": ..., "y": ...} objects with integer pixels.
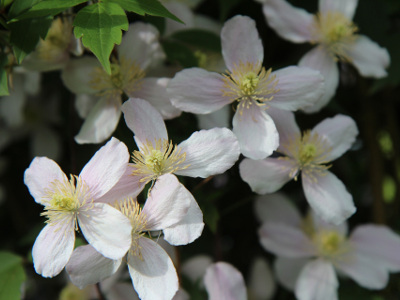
[{"x": 330, "y": 244}]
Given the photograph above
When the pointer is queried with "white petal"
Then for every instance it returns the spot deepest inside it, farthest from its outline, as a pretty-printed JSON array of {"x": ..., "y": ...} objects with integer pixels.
[
  {"x": 105, "y": 168},
  {"x": 224, "y": 282},
  {"x": 167, "y": 204},
  {"x": 141, "y": 45},
  {"x": 154, "y": 90},
  {"x": 340, "y": 132},
  {"x": 41, "y": 173},
  {"x": 53, "y": 247},
  {"x": 329, "y": 198},
  {"x": 287, "y": 270},
  {"x": 241, "y": 42},
  {"x": 291, "y": 23},
  {"x": 321, "y": 225},
  {"x": 219, "y": 118},
  {"x": 188, "y": 229},
  {"x": 298, "y": 88},
  {"x": 106, "y": 229},
  {"x": 317, "y": 280},
  {"x": 265, "y": 176},
  {"x": 261, "y": 281},
  {"x": 153, "y": 274},
  {"x": 277, "y": 208},
  {"x": 181, "y": 295},
  {"x": 144, "y": 120},
  {"x": 183, "y": 12},
  {"x": 78, "y": 73},
  {"x": 368, "y": 57},
  {"x": 209, "y": 152},
  {"x": 195, "y": 267},
  {"x": 84, "y": 103},
  {"x": 256, "y": 132},
  {"x": 197, "y": 91},
  {"x": 346, "y": 7},
  {"x": 100, "y": 122},
  {"x": 285, "y": 240},
  {"x": 319, "y": 59},
  {"x": 87, "y": 266}
]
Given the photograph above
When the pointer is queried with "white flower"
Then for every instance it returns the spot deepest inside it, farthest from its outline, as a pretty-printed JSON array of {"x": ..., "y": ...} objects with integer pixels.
[
  {"x": 335, "y": 34},
  {"x": 310, "y": 153},
  {"x": 248, "y": 84},
  {"x": 310, "y": 250},
  {"x": 72, "y": 203}
]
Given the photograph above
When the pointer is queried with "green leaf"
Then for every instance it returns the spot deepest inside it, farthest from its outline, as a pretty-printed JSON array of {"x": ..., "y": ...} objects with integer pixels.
[
  {"x": 199, "y": 38},
  {"x": 5, "y": 3},
  {"x": 48, "y": 8},
  {"x": 12, "y": 275},
  {"x": 100, "y": 27},
  {"x": 20, "y": 6},
  {"x": 225, "y": 6},
  {"x": 149, "y": 7},
  {"x": 3, "y": 76},
  {"x": 177, "y": 52},
  {"x": 25, "y": 35}
]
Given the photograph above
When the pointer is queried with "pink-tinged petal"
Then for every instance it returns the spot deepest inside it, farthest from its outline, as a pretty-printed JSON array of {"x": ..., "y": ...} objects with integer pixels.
[
  {"x": 153, "y": 274},
  {"x": 106, "y": 229},
  {"x": 141, "y": 44},
  {"x": 78, "y": 73},
  {"x": 285, "y": 240},
  {"x": 41, "y": 173},
  {"x": 87, "y": 266},
  {"x": 286, "y": 125},
  {"x": 128, "y": 186},
  {"x": 241, "y": 42},
  {"x": 297, "y": 88},
  {"x": 195, "y": 267},
  {"x": 154, "y": 90},
  {"x": 261, "y": 284},
  {"x": 101, "y": 121},
  {"x": 317, "y": 280},
  {"x": 346, "y": 7},
  {"x": 340, "y": 132},
  {"x": 188, "y": 229},
  {"x": 53, "y": 247},
  {"x": 368, "y": 57},
  {"x": 167, "y": 203},
  {"x": 144, "y": 120},
  {"x": 209, "y": 152},
  {"x": 105, "y": 168},
  {"x": 197, "y": 91},
  {"x": 256, "y": 132},
  {"x": 380, "y": 243},
  {"x": 267, "y": 175},
  {"x": 319, "y": 59},
  {"x": 287, "y": 270},
  {"x": 328, "y": 197},
  {"x": 224, "y": 282},
  {"x": 219, "y": 118},
  {"x": 291, "y": 23},
  {"x": 277, "y": 208}
]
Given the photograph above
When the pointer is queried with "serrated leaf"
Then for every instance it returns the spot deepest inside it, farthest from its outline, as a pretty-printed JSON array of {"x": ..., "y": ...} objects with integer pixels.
[
  {"x": 199, "y": 38},
  {"x": 48, "y": 8},
  {"x": 100, "y": 27},
  {"x": 25, "y": 35},
  {"x": 3, "y": 76},
  {"x": 12, "y": 275},
  {"x": 149, "y": 7},
  {"x": 177, "y": 52}
]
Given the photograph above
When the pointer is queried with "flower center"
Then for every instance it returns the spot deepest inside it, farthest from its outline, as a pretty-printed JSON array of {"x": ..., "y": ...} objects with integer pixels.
[
  {"x": 125, "y": 78},
  {"x": 154, "y": 160},
  {"x": 335, "y": 31},
  {"x": 329, "y": 243},
  {"x": 249, "y": 84}
]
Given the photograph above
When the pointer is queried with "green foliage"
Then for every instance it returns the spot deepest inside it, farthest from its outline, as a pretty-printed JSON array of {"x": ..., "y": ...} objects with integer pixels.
[
  {"x": 100, "y": 27},
  {"x": 199, "y": 38},
  {"x": 178, "y": 52},
  {"x": 146, "y": 7},
  {"x": 389, "y": 189},
  {"x": 20, "y": 6},
  {"x": 3, "y": 76},
  {"x": 12, "y": 275}
]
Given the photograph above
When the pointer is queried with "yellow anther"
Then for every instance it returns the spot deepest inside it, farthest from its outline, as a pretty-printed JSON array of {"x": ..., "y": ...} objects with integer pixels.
[{"x": 330, "y": 243}]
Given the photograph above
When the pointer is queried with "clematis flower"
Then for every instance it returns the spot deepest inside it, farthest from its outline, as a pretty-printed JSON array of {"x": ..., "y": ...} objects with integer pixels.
[
  {"x": 151, "y": 269},
  {"x": 248, "y": 84},
  {"x": 203, "y": 154},
  {"x": 310, "y": 153},
  {"x": 336, "y": 37},
  {"x": 72, "y": 204},
  {"x": 310, "y": 250},
  {"x": 99, "y": 94}
]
